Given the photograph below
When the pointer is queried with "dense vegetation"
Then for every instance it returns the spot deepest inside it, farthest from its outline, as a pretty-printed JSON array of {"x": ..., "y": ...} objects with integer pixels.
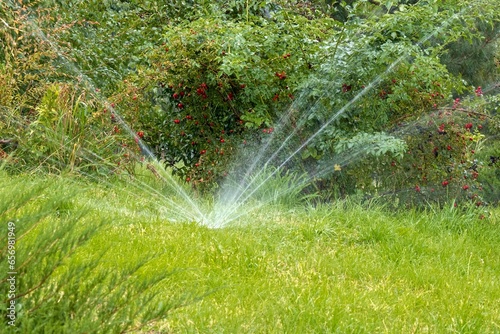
[
  {"x": 200, "y": 85},
  {"x": 316, "y": 102}
]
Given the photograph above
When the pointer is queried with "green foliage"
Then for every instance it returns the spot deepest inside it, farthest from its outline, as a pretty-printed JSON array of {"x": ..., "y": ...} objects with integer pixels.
[
  {"x": 26, "y": 63},
  {"x": 474, "y": 59},
  {"x": 379, "y": 78},
  {"x": 55, "y": 125},
  {"x": 215, "y": 84},
  {"x": 202, "y": 83},
  {"x": 376, "y": 144},
  {"x": 70, "y": 134},
  {"x": 66, "y": 133},
  {"x": 367, "y": 92},
  {"x": 58, "y": 287}
]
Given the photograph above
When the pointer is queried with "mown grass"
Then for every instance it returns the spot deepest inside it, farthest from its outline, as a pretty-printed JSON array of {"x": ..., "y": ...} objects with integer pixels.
[{"x": 342, "y": 268}]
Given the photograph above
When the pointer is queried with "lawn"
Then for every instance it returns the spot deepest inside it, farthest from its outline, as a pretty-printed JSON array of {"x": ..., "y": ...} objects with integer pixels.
[{"x": 104, "y": 257}]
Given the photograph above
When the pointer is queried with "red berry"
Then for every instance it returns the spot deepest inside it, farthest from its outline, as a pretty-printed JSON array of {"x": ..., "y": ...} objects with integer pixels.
[
  {"x": 175, "y": 96},
  {"x": 445, "y": 183},
  {"x": 345, "y": 88},
  {"x": 180, "y": 106},
  {"x": 281, "y": 75},
  {"x": 203, "y": 151},
  {"x": 465, "y": 187},
  {"x": 140, "y": 134},
  {"x": 176, "y": 121}
]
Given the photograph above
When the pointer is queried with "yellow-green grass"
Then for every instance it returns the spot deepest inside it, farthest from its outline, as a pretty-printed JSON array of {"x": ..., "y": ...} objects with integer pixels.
[{"x": 341, "y": 267}]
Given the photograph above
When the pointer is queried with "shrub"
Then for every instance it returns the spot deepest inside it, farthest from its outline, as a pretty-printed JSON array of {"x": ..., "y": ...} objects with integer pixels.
[
  {"x": 384, "y": 76},
  {"x": 216, "y": 84}
]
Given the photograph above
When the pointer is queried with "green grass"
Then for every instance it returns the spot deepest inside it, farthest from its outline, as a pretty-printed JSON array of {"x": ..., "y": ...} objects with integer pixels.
[{"x": 333, "y": 268}]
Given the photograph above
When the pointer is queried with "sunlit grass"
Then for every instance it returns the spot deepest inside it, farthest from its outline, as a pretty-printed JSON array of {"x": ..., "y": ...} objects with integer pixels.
[{"x": 340, "y": 268}]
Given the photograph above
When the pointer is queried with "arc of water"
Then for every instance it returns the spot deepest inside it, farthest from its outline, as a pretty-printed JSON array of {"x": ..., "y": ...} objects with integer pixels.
[
  {"x": 262, "y": 151},
  {"x": 175, "y": 206},
  {"x": 90, "y": 86},
  {"x": 320, "y": 173},
  {"x": 236, "y": 196},
  {"x": 281, "y": 122},
  {"x": 362, "y": 93}
]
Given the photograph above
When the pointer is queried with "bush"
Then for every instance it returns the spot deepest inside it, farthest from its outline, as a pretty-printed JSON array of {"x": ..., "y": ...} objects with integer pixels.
[
  {"x": 379, "y": 81},
  {"x": 216, "y": 84}
]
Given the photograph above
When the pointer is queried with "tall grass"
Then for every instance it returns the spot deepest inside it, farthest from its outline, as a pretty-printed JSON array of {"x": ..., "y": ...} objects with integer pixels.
[
  {"x": 61, "y": 285},
  {"x": 118, "y": 262}
]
